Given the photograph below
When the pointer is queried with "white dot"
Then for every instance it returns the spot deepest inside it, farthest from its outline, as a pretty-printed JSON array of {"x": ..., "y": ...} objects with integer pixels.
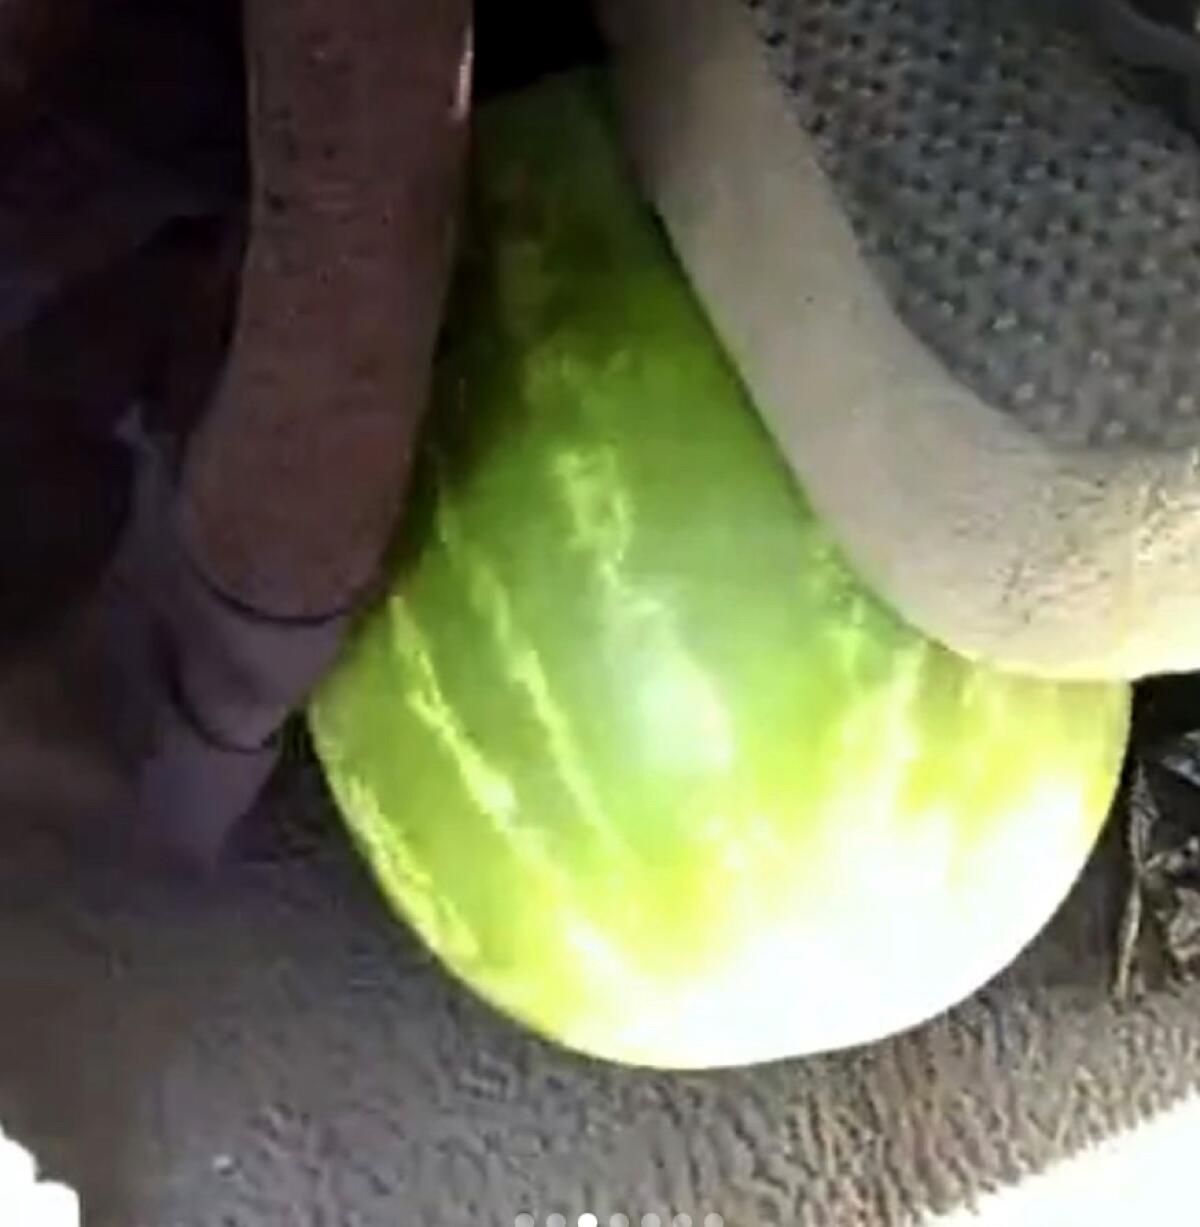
[
  {"x": 683, "y": 1220},
  {"x": 523, "y": 1220},
  {"x": 588, "y": 1220},
  {"x": 556, "y": 1220},
  {"x": 714, "y": 1220},
  {"x": 619, "y": 1220},
  {"x": 651, "y": 1220}
]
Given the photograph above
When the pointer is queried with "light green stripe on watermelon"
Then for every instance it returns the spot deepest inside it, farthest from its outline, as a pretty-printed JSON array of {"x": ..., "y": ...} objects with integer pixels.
[{"x": 628, "y": 744}]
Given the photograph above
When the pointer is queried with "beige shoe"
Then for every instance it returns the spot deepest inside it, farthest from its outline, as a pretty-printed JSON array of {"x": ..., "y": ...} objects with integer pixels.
[{"x": 956, "y": 256}]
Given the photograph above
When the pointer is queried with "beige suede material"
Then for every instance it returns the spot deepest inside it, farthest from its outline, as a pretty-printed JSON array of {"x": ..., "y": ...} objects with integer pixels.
[{"x": 1074, "y": 564}]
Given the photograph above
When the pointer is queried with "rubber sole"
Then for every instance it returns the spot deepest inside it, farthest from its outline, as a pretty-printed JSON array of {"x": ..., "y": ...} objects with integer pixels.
[{"x": 1066, "y": 563}]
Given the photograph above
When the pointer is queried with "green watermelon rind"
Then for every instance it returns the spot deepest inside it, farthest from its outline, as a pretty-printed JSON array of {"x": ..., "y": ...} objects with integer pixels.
[{"x": 627, "y": 743}]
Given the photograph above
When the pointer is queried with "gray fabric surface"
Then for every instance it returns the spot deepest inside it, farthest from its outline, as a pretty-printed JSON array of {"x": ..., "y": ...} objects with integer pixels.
[
  {"x": 1035, "y": 218},
  {"x": 272, "y": 1049}
]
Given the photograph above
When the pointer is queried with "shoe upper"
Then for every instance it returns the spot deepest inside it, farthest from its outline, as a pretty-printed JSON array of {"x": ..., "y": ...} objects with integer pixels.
[
  {"x": 1034, "y": 217},
  {"x": 953, "y": 249}
]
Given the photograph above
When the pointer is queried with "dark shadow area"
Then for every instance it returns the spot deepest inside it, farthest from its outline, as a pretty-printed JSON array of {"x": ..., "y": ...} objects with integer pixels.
[{"x": 517, "y": 43}]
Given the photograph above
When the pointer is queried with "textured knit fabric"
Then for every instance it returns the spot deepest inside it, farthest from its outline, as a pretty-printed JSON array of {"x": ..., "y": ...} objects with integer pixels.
[{"x": 1035, "y": 217}]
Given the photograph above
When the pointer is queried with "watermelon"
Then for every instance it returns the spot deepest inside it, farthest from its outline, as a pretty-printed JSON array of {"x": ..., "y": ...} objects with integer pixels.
[{"x": 627, "y": 743}]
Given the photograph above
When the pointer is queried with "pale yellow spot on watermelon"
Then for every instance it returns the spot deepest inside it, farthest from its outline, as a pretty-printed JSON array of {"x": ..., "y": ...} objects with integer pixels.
[
  {"x": 683, "y": 720},
  {"x": 388, "y": 851},
  {"x": 598, "y": 501},
  {"x": 493, "y": 795},
  {"x": 523, "y": 666},
  {"x": 603, "y": 958},
  {"x": 489, "y": 789},
  {"x": 894, "y": 962},
  {"x": 678, "y": 706}
]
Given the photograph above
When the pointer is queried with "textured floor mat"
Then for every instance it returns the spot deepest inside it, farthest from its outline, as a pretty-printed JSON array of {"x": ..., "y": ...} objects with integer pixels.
[{"x": 273, "y": 1046}]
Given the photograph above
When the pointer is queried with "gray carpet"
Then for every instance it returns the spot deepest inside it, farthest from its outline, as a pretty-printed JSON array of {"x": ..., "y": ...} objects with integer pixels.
[{"x": 270, "y": 1048}]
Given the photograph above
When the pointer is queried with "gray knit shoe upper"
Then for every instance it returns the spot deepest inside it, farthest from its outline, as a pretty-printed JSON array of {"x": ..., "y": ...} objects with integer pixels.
[
  {"x": 953, "y": 248},
  {"x": 1035, "y": 221}
]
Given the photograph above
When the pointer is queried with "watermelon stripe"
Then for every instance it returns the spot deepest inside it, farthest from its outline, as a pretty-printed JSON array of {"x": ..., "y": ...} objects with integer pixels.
[
  {"x": 520, "y": 662},
  {"x": 489, "y": 790}
]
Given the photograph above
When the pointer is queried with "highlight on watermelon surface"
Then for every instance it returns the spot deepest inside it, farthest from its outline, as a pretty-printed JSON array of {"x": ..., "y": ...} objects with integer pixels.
[{"x": 627, "y": 743}]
